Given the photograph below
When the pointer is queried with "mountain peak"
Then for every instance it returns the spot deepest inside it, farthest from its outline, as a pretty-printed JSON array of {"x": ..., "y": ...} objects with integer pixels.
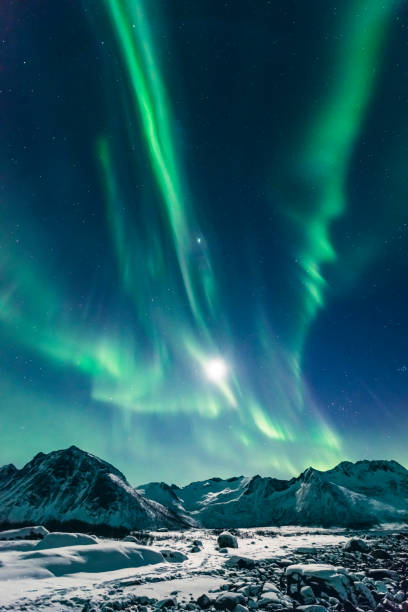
[
  {"x": 370, "y": 465},
  {"x": 309, "y": 474},
  {"x": 73, "y": 485}
]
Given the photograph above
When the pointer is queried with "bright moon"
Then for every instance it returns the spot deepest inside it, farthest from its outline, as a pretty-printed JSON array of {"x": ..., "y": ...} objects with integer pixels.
[{"x": 216, "y": 369}]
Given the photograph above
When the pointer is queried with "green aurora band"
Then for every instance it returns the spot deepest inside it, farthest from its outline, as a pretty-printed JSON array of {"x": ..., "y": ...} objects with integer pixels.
[{"x": 322, "y": 161}]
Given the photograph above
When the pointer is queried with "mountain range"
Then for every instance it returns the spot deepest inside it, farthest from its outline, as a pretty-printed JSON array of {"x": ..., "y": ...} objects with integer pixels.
[{"x": 72, "y": 486}]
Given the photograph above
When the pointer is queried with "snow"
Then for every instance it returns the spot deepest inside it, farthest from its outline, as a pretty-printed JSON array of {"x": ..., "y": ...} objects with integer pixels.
[
  {"x": 193, "y": 587},
  {"x": 91, "y": 558},
  {"x": 65, "y": 578}
]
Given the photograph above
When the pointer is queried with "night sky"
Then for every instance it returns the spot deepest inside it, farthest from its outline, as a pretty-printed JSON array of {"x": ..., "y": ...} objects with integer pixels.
[{"x": 204, "y": 233}]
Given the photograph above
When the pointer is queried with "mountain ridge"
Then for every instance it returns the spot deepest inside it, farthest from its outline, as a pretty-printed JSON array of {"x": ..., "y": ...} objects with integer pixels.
[{"x": 73, "y": 485}]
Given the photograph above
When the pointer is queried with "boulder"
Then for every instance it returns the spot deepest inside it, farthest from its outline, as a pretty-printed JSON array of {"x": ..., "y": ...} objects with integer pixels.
[
  {"x": 228, "y": 601},
  {"x": 269, "y": 598},
  {"x": 173, "y": 556},
  {"x": 168, "y": 602},
  {"x": 335, "y": 581},
  {"x": 130, "y": 538},
  {"x": 241, "y": 562},
  {"x": 381, "y": 587},
  {"x": 59, "y": 539},
  {"x": 380, "y": 573},
  {"x": 204, "y": 601},
  {"x": 305, "y": 550},
  {"x": 356, "y": 545},
  {"x": 227, "y": 540},
  {"x": 364, "y": 592},
  {"x": 240, "y": 608},
  {"x": 307, "y": 595},
  {"x": 36, "y": 532},
  {"x": 380, "y": 553}
]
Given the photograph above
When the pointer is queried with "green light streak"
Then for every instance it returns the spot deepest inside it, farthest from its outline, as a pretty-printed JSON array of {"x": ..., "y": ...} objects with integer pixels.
[
  {"x": 326, "y": 153},
  {"x": 132, "y": 31}
]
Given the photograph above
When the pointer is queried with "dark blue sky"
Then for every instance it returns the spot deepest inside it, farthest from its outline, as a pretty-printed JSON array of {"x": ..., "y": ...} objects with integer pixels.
[{"x": 203, "y": 238}]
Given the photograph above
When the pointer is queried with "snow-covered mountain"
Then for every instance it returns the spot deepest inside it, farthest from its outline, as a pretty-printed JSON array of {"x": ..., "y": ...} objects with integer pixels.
[
  {"x": 383, "y": 480},
  {"x": 72, "y": 485},
  {"x": 360, "y": 494},
  {"x": 195, "y": 496},
  {"x": 167, "y": 496}
]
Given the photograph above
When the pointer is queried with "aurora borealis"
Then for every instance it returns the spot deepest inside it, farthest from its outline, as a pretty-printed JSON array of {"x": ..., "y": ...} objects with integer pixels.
[{"x": 203, "y": 237}]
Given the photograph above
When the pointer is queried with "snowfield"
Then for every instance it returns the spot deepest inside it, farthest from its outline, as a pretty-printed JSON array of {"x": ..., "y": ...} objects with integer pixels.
[{"x": 67, "y": 577}]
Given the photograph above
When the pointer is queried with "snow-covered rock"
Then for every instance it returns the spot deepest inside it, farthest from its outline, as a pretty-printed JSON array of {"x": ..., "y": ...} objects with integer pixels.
[
  {"x": 72, "y": 485},
  {"x": 173, "y": 556},
  {"x": 25, "y": 533},
  {"x": 312, "y": 608},
  {"x": 329, "y": 579},
  {"x": 60, "y": 539}
]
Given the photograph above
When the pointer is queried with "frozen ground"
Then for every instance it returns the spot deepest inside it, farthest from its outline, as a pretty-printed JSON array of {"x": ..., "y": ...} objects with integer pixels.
[{"x": 108, "y": 574}]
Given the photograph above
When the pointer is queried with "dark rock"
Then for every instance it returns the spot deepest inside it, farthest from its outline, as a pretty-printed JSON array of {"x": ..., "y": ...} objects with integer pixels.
[
  {"x": 307, "y": 595},
  {"x": 244, "y": 563},
  {"x": 228, "y": 601},
  {"x": 227, "y": 540},
  {"x": 168, "y": 602},
  {"x": 380, "y": 553},
  {"x": 380, "y": 573},
  {"x": 356, "y": 545},
  {"x": 204, "y": 601}
]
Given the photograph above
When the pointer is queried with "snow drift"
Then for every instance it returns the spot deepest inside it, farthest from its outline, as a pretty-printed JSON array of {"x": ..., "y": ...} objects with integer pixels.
[{"x": 106, "y": 557}]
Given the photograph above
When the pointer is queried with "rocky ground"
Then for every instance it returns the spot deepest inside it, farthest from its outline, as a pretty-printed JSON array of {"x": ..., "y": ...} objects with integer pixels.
[
  {"x": 268, "y": 570},
  {"x": 368, "y": 573}
]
